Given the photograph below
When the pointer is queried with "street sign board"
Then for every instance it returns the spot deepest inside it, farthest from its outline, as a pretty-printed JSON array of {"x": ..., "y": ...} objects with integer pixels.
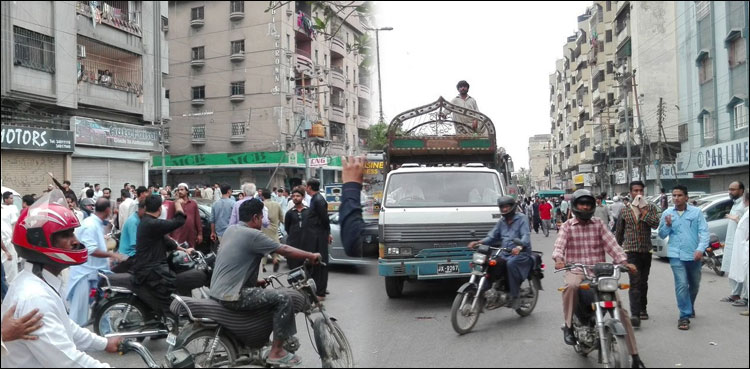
[{"x": 318, "y": 162}]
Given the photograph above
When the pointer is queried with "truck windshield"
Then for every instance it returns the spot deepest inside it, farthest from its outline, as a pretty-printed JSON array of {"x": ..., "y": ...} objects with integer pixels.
[{"x": 442, "y": 189}]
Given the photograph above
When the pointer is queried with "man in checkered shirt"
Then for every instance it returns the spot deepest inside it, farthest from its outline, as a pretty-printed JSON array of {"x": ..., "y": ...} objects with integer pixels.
[{"x": 584, "y": 239}]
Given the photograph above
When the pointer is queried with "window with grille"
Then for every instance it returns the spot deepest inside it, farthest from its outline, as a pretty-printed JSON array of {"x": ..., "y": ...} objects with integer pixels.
[
  {"x": 682, "y": 132},
  {"x": 702, "y": 9},
  {"x": 166, "y": 134},
  {"x": 238, "y": 47},
  {"x": 740, "y": 116},
  {"x": 199, "y": 92},
  {"x": 33, "y": 50},
  {"x": 737, "y": 53},
  {"x": 199, "y": 132},
  {"x": 166, "y": 94},
  {"x": 708, "y": 126},
  {"x": 238, "y": 88},
  {"x": 706, "y": 70},
  {"x": 196, "y": 13},
  {"x": 608, "y": 35},
  {"x": 238, "y": 129},
  {"x": 236, "y": 6},
  {"x": 198, "y": 53}
]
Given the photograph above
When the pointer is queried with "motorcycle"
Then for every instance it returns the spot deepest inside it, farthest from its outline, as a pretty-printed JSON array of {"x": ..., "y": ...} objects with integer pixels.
[
  {"x": 118, "y": 307},
  {"x": 476, "y": 296},
  {"x": 217, "y": 336},
  {"x": 596, "y": 321},
  {"x": 713, "y": 255}
]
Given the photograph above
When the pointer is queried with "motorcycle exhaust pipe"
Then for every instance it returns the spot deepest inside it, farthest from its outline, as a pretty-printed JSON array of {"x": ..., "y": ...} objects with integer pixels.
[
  {"x": 144, "y": 353},
  {"x": 130, "y": 335}
]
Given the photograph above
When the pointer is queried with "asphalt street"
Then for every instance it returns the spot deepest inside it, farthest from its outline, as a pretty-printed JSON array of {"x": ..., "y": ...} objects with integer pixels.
[{"x": 415, "y": 330}]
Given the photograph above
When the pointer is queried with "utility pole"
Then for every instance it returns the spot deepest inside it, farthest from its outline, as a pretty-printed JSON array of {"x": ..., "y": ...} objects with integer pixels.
[
  {"x": 549, "y": 156},
  {"x": 641, "y": 161},
  {"x": 157, "y": 88},
  {"x": 377, "y": 47},
  {"x": 660, "y": 115},
  {"x": 624, "y": 81}
]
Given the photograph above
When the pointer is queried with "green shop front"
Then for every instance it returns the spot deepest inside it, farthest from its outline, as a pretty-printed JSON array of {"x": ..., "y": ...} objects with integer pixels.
[{"x": 264, "y": 168}]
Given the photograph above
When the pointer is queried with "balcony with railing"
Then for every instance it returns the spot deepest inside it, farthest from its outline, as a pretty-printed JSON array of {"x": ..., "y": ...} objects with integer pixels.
[
  {"x": 337, "y": 78},
  {"x": 303, "y": 62},
  {"x": 238, "y": 132},
  {"x": 338, "y": 46},
  {"x": 236, "y": 10},
  {"x": 199, "y": 134},
  {"x": 364, "y": 92},
  {"x": 117, "y": 14}
]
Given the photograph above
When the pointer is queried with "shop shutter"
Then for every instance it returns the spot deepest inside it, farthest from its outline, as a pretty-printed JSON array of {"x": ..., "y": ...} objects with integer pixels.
[
  {"x": 26, "y": 171},
  {"x": 122, "y": 171},
  {"x": 91, "y": 170}
]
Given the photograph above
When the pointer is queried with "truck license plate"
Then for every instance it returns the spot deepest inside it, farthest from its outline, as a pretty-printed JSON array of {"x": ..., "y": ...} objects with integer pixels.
[{"x": 447, "y": 268}]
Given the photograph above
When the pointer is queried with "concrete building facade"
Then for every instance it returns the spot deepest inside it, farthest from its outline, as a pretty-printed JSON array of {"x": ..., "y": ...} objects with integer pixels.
[
  {"x": 539, "y": 161},
  {"x": 78, "y": 91},
  {"x": 248, "y": 85}
]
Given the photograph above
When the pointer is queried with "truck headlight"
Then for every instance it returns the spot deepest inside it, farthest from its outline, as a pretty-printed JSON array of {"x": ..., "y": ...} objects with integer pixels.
[
  {"x": 393, "y": 251},
  {"x": 406, "y": 251},
  {"x": 479, "y": 259}
]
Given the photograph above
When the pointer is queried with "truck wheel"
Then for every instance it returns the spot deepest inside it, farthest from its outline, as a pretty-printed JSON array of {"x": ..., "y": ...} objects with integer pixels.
[{"x": 394, "y": 286}]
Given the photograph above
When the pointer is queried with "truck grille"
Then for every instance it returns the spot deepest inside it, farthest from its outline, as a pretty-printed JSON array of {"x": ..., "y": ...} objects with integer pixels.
[{"x": 436, "y": 232}]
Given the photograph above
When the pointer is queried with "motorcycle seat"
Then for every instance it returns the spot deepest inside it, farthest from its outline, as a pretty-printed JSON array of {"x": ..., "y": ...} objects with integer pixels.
[
  {"x": 252, "y": 327},
  {"x": 121, "y": 280}
]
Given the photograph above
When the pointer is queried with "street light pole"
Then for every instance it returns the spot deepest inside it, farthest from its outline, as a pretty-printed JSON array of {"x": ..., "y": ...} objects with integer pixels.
[{"x": 377, "y": 47}]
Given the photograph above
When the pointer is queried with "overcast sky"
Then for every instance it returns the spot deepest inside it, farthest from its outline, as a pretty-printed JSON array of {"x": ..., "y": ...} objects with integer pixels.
[{"x": 505, "y": 50}]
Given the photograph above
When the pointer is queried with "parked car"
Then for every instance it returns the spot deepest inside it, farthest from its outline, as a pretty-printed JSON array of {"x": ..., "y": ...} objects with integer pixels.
[
  {"x": 336, "y": 252},
  {"x": 715, "y": 207},
  {"x": 692, "y": 195}
]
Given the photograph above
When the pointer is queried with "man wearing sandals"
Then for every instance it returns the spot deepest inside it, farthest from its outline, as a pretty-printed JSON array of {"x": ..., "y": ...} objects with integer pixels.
[
  {"x": 235, "y": 283},
  {"x": 688, "y": 239}
]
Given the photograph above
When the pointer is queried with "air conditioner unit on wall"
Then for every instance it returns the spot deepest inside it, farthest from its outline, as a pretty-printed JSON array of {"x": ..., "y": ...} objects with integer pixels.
[{"x": 81, "y": 51}]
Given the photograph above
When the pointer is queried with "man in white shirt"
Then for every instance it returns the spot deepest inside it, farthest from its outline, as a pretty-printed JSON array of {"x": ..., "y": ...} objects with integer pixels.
[
  {"x": 61, "y": 343},
  {"x": 125, "y": 208},
  {"x": 82, "y": 194},
  {"x": 465, "y": 101},
  {"x": 98, "y": 193}
]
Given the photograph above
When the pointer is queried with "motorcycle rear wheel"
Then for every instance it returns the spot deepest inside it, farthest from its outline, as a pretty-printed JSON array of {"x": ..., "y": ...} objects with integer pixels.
[
  {"x": 333, "y": 347},
  {"x": 117, "y": 322},
  {"x": 463, "y": 318},
  {"x": 618, "y": 351},
  {"x": 528, "y": 303},
  {"x": 716, "y": 266},
  {"x": 199, "y": 343}
]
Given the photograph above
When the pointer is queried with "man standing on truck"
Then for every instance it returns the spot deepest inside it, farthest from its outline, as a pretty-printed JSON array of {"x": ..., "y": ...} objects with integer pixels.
[{"x": 465, "y": 101}]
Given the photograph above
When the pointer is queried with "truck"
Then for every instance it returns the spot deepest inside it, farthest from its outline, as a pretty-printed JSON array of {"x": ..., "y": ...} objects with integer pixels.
[{"x": 441, "y": 190}]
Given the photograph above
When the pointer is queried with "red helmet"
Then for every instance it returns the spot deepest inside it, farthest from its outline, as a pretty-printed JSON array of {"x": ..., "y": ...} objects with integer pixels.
[{"x": 33, "y": 232}]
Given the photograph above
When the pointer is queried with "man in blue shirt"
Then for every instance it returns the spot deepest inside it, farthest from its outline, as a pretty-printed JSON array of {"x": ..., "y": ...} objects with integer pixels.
[
  {"x": 127, "y": 239},
  {"x": 688, "y": 239},
  {"x": 221, "y": 212}
]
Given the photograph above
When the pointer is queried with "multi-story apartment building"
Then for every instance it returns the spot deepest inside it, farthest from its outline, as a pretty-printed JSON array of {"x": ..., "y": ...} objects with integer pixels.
[
  {"x": 539, "y": 161},
  {"x": 713, "y": 91},
  {"x": 78, "y": 89},
  {"x": 247, "y": 86},
  {"x": 619, "y": 65}
]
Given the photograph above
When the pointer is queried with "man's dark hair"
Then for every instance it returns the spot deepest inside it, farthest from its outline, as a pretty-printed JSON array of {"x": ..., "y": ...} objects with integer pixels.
[
  {"x": 71, "y": 197},
  {"x": 66, "y": 182},
  {"x": 314, "y": 183},
  {"x": 102, "y": 205},
  {"x": 140, "y": 190},
  {"x": 249, "y": 209},
  {"x": 86, "y": 184},
  {"x": 153, "y": 203},
  {"x": 125, "y": 193},
  {"x": 599, "y": 197},
  {"x": 462, "y": 83},
  {"x": 7, "y": 194},
  {"x": 742, "y": 185},
  {"x": 266, "y": 193},
  {"x": 89, "y": 193},
  {"x": 28, "y": 199},
  {"x": 132, "y": 187},
  {"x": 107, "y": 189},
  {"x": 637, "y": 183},
  {"x": 274, "y": 189},
  {"x": 126, "y": 185},
  {"x": 663, "y": 190},
  {"x": 682, "y": 188},
  {"x": 225, "y": 187},
  {"x": 299, "y": 190},
  {"x": 96, "y": 184}
]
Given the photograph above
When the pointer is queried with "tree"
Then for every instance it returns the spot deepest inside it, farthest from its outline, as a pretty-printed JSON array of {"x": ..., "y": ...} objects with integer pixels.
[{"x": 378, "y": 136}]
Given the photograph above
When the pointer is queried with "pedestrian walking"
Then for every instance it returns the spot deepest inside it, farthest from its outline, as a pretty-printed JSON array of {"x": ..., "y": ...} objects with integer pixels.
[
  {"x": 221, "y": 212},
  {"x": 738, "y": 271},
  {"x": 535, "y": 213},
  {"x": 688, "y": 238},
  {"x": 293, "y": 223},
  {"x": 602, "y": 212},
  {"x": 736, "y": 192},
  {"x": 248, "y": 192},
  {"x": 192, "y": 231},
  {"x": 318, "y": 233},
  {"x": 633, "y": 233},
  {"x": 545, "y": 214},
  {"x": 275, "y": 217}
]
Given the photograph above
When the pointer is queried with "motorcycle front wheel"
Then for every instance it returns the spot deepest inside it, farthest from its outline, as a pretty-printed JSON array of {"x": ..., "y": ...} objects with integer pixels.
[
  {"x": 617, "y": 356},
  {"x": 463, "y": 317},
  {"x": 199, "y": 344},
  {"x": 333, "y": 347},
  {"x": 529, "y": 297},
  {"x": 120, "y": 315}
]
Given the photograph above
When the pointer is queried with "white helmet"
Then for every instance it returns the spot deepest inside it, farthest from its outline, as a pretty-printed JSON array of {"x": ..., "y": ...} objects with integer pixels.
[{"x": 616, "y": 198}]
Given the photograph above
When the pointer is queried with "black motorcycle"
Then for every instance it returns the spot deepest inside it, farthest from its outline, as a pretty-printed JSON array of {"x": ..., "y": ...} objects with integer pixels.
[
  {"x": 596, "y": 321},
  {"x": 120, "y": 308},
  {"x": 217, "y": 336},
  {"x": 476, "y": 295},
  {"x": 713, "y": 255}
]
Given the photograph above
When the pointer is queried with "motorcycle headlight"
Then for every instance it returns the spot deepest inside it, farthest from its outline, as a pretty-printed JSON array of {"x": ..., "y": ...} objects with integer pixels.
[
  {"x": 479, "y": 259},
  {"x": 608, "y": 285}
]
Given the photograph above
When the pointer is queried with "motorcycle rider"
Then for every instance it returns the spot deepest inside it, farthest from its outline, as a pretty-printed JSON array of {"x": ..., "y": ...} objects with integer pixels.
[
  {"x": 235, "y": 281},
  {"x": 44, "y": 237},
  {"x": 584, "y": 239},
  {"x": 518, "y": 263}
]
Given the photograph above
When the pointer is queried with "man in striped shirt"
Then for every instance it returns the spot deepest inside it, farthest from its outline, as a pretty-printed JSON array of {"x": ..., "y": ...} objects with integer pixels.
[
  {"x": 634, "y": 225},
  {"x": 584, "y": 239}
]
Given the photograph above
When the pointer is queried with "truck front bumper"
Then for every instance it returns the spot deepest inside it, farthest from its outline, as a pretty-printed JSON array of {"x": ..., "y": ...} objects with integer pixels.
[{"x": 421, "y": 268}]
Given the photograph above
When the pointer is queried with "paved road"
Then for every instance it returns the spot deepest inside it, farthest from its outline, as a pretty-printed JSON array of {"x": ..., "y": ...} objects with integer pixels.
[{"x": 415, "y": 331}]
